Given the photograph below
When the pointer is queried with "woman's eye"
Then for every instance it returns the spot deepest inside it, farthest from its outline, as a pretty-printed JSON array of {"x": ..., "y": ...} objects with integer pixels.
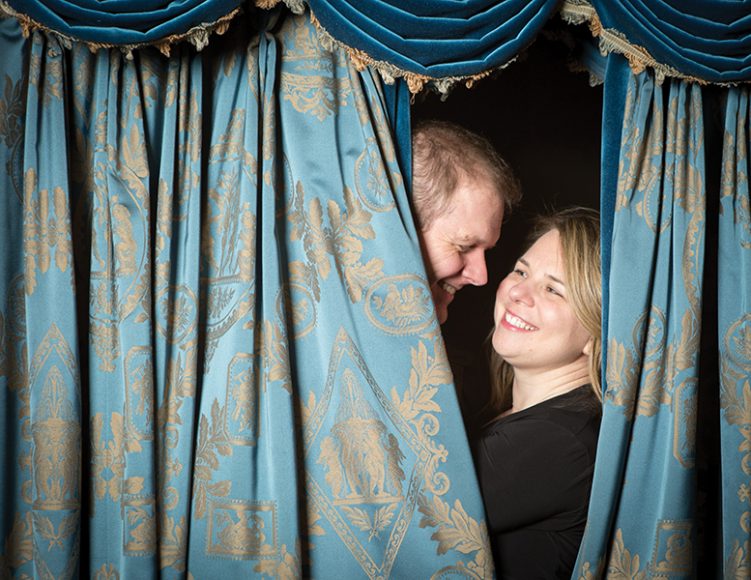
[
  {"x": 519, "y": 272},
  {"x": 552, "y": 290}
]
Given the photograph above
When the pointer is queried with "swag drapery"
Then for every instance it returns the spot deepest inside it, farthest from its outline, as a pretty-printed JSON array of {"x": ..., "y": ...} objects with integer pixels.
[{"x": 322, "y": 240}]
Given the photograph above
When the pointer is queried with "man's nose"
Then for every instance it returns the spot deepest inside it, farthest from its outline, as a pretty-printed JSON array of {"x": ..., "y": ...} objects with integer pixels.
[{"x": 475, "y": 269}]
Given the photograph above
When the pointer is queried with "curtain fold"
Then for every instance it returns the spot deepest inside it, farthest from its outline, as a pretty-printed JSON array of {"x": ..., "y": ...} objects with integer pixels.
[
  {"x": 438, "y": 42},
  {"x": 125, "y": 22},
  {"x": 438, "y": 39},
  {"x": 708, "y": 40},
  {"x": 734, "y": 333},
  {"x": 220, "y": 352},
  {"x": 642, "y": 511}
]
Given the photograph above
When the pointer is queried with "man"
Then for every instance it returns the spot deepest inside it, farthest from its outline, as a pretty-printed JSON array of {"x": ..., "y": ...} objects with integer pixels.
[{"x": 461, "y": 188}]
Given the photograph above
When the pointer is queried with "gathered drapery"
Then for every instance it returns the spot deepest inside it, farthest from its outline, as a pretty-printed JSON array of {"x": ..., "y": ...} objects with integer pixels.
[
  {"x": 220, "y": 354},
  {"x": 126, "y": 23},
  {"x": 436, "y": 41},
  {"x": 734, "y": 335},
  {"x": 642, "y": 510},
  {"x": 705, "y": 39}
]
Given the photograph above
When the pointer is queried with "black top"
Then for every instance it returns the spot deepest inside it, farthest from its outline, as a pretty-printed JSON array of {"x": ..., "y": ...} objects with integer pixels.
[{"x": 535, "y": 470}]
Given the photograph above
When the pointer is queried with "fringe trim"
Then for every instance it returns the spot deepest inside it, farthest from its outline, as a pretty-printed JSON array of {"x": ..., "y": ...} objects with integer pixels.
[
  {"x": 415, "y": 82},
  {"x": 198, "y": 36},
  {"x": 639, "y": 58}
]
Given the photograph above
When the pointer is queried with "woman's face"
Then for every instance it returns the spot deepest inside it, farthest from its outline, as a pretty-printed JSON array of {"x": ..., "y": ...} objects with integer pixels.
[{"x": 535, "y": 326}]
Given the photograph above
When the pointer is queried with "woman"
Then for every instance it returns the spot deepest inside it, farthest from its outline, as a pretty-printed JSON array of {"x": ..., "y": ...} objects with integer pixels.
[{"x": 535, "y": 461}]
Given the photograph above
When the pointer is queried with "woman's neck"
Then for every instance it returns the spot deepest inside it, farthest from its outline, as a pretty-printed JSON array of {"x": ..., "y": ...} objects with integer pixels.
[{"x": 532, "y": 386}]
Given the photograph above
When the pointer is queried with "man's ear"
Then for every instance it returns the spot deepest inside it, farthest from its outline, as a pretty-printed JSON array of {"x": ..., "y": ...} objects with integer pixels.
[{"x": 588, "y": 347}]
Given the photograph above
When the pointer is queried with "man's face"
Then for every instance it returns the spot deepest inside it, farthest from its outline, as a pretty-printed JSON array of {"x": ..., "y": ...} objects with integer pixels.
[{"x": 454, "y": 244}]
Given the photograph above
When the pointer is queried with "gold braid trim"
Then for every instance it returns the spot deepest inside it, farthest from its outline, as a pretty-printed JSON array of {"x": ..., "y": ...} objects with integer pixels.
[
  {"x": 415, "y": 82},
  {"x": 638, "y": 57},
  {"x": 197, "y": 36}
]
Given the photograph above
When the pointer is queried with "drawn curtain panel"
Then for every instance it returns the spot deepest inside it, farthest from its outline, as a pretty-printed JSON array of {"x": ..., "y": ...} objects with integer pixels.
[
  {"x": 734, "y": 333},
  {"x": 642, "y": 511},
  {"x": 220, "y": 354}
]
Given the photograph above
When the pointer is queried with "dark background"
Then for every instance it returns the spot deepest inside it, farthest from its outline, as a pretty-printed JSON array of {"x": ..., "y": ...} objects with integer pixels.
[{"x": 545, "y": 120}]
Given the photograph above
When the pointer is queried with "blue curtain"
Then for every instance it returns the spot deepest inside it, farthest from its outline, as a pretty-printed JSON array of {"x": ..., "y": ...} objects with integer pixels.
[
  {"x": 125, "y": 22},
  {"x": 220, "y": 355},
  {"x": 734, "y": 333},
  {"x": 705, "y": 39},
  {"x": 642, "y": 513},
  {"x": 441, "y": 40}
]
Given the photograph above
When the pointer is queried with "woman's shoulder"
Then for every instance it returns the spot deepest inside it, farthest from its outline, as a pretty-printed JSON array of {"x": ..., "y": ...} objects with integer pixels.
[{"x": 574, "y": 412}]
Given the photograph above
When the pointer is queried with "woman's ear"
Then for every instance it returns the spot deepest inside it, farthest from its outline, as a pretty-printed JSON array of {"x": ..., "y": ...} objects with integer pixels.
[{"x": 588, "y": 347}]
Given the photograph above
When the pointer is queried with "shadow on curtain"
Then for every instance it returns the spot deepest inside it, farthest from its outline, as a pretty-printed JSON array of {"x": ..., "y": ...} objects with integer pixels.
[{"x": 219, "y": 350}]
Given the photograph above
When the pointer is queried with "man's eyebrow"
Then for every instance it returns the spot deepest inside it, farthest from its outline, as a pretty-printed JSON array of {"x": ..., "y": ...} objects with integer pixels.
[{"x": 553, "y": 278}]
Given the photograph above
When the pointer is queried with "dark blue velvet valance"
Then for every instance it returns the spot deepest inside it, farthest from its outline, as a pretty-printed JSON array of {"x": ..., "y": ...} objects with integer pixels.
[
  {"x": 706, "y": 39},
  {"x": 123, "y": 22},
  {"x": 709, "y": 40},
  {"x": 442, "y": 38}
]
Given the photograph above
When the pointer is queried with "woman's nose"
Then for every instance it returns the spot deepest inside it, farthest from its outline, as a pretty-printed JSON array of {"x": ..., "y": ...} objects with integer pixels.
[{"x": 519, "y": 292}]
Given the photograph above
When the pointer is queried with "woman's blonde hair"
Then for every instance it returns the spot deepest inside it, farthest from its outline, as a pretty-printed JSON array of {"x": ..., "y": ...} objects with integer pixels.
[{"x": 579, "y": 230}]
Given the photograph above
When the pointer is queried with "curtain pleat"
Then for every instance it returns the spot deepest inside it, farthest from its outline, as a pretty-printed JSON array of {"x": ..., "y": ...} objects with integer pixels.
[
  {"x": 642, "y": 518},
  {"x": 220, "y": 355},
  {"x": 126, "y": 22},
  {"x": 705, "y": 39},
  {"x": 734, "y": 333},
  {"x": 437, "y": 39}
]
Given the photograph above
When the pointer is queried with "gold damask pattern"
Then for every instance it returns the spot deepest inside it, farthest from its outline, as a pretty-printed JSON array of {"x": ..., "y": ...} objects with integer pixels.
[
  {"x": 456, "y": 530},
  {"x": 372, "y": 484},
  {"x": 672, "y": 556},
  {"x": 673, "y": 552},
  {"x": 242, "y": 529},
  {"x": 203, "y": 272},
  {"x": 319, "y": 95},
  {"x": 46, "y": 230},
  {"x": 400, "y": 305},
  {"x": 735, "y": 401},
  {"x": 735, "y": 338},
  {"x": 341, "y": 239},
  {"x": 734, "y": 184},
  {"x": 659, "y": 368},
  {"x": 654, "y": 329}
]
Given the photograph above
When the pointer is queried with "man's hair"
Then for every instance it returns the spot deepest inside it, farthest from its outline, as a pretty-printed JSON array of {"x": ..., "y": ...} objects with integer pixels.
[
  {"x": 445, "y": 153},
  {"x": 579, "y": 230}
]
